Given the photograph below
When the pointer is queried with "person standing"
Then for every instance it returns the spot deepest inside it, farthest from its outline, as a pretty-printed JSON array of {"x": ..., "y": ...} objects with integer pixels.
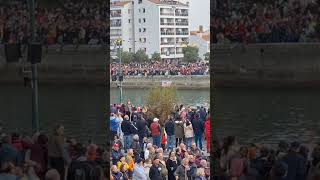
[
  {"x": 178, "y": 131},
  {"x": 198, "y": 130},
  {"x": 169, "y": 128},
  {"x": 114, "y": 125},
  {"x": 172, "y": 165},
  {"x": 127, "y": 132},
  {"x": 56, "y": 151},
  {"x": 155, "y": 170},
  {"x": 182, "y": 170},
  {"x": 138, "y": 171},
  {"x": 142, "y": 130},
  {"x": 188, "y": 129},
  {"x": 155, "y": 132}
]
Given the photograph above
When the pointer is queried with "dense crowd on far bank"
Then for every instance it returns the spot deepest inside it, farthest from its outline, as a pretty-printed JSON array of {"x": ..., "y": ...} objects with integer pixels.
[
  {"x": 266, "y": 21},
  {"x": 160, "y": 69},
  {"x": 72, "y": 22},
  {"x": 144, "y": 149},
  {"x": 288, "y": 161},
  {"x": 51, "y": 157}
]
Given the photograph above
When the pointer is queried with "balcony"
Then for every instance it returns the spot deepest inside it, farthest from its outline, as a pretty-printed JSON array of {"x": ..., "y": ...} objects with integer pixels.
[
  {"x": 182, "y": 24},
  {"x": 182, "y": 33},
  {"x": 166, "y": 13},
  {"x": 167, "y": 43},
  {"x": 115, "y": 15},
  {"x": 115, "y": 25},
  {"x": 182, "y": 42},
  {"x": 167, "y": 24},
  {"x": 116, "y": 34},
  {"x": 167, "y": 33},
  {"x": 182, "y": 14}
]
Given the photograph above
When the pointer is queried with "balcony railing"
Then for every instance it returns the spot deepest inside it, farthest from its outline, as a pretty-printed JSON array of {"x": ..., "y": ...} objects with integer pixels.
[
  {"x": 167, "y": 24},
  {"x": 182, "y": 24},
  {"x": 183, "y": 42},
  {"x": 182, "y": 14},
  {"x": 167, "y": 13},
  {"x": 116, "y": 34},
  {"x": 167, "y": 33},
  {"x": 167, "y": 43},
  {"x": 182, "y": 33},
  {"x": 115, "y": 15},
  {"x": 165, "y": 53},
  {"x": 116, "y": 25}
]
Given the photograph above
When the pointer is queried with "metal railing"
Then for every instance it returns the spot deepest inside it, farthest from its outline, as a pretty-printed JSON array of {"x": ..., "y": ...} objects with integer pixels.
[
  {"x": 116, "y": 25},
  {"x": 166, "y": 14},
  {"x": 182, "y": 14},
  {"x": 167, "y": 24},
  {"x": 182, "y": 33},
  {"x": 182, "y": 24},
  {"x": 167, "y": 43},
  {"x": 167, "y": 33},
  {"x": 115, "y": 15}
]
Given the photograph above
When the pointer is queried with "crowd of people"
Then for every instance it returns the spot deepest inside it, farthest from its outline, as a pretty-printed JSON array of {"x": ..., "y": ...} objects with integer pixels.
[
  {"x": 160, "y": 69},
  {"x": 51, "y": 157},
  {"x": 287, "y": 161},
  {"x": 145, "y": 149},
  {"x": 266, "y": 21},
  {"x": 72, "y": 22}
]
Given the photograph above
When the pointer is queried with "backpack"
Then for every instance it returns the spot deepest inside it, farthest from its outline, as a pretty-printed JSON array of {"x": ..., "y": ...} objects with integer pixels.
[
  {"x": 84, "y": 171},
  {"x": 236, "y": 167}
]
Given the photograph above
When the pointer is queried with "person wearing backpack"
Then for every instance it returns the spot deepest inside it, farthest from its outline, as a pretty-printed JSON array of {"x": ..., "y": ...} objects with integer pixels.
[{"x": 155, "y": 132}]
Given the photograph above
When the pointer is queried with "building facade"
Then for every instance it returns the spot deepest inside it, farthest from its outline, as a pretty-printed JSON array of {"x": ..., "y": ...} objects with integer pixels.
[
  {"x": 160, "y": 26},
  {"x": 201, "y": 39}
]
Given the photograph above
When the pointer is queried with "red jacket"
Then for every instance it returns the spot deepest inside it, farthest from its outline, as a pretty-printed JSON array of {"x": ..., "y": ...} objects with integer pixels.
[
  {"x": 207, "y": 128},
  {"x": 155, "y": 129}
]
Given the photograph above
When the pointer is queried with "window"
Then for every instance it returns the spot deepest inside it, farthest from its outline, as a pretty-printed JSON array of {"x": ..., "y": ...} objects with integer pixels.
[
  {"x": 139, "y": 10},
  {"x": 139, "y": 1},
  {"x": 129, "y": 11},
  {"x": 144, "y": 29},
  {"x": 139, "y": 20},
  {"x": 145, "y": 49},
  {"x": 144, "y": 20},
  {"x": 130, "y": 49},
  {"x": 129, "y": 20},
  {"x": 139, "y": 29},
  {"x": 140, "y": 40},
  {"x": 145, "y": 39},
  {"x": 143, "y": 10}
]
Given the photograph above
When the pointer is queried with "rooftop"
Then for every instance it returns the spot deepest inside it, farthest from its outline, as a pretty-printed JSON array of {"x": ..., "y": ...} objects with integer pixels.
[
  {"x": 169, "y": 2},
  {"x": 117, "y": 3}
]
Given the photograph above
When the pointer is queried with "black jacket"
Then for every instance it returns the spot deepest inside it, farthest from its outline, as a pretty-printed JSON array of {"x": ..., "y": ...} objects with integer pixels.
[
  {"x": 198, "y": 127},
  {"x": 141, "y": 125},
  {"x": 154, "y": 173},
  {"x": 126, "y": 127},
  {"x": 169, "y": 127}
]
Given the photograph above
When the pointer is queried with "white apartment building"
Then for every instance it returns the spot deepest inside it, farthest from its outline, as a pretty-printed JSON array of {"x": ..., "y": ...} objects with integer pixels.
[
  {"x": 201, "y": 39},
  {"x": 121, "y": 24},
  {"x": 158, "y": 26}
]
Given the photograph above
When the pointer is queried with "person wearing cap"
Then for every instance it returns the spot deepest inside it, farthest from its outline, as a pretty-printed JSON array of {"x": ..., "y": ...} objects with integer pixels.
[
  {"x": 116, "y": 154},
  {"x": 138, "y": 171},
  {"x": 155, "y": 132},
  {"x": 155, "y": 170},
  {"x": 127, "y": 132},
  {"x": 296, "y": 163}
]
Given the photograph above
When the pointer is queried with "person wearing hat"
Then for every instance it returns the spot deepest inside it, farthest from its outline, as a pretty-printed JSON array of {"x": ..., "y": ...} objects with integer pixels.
[
  {"x": 115, "y": 154},
  {"x": 155, "y": 170},
  {"x": 138, "y": 171},
  {"x": 155, "y": 132}
]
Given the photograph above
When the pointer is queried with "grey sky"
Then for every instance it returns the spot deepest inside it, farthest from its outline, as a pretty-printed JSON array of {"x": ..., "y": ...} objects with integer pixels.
[{"x": 199, "y": 14}]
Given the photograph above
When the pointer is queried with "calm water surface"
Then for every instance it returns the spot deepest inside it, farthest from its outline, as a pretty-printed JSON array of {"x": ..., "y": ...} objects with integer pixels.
[
  {"x": 267, "y": 115},
  {"x": 80, "y": 109}
]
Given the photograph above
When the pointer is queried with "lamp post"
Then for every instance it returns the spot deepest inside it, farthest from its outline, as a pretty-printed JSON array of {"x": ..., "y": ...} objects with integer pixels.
[
  {"x": 35, "y": 105},
  {"x": 118, "y": 43}
]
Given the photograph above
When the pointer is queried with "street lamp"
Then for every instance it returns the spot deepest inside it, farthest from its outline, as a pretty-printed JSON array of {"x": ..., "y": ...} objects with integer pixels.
[{"x": 118, "y": 44}]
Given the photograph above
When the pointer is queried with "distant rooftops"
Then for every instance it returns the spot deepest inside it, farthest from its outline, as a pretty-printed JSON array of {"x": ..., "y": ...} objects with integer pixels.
[
  {"x": 171, "y": 2},
  {"x": 205, "y": 35},
  {"x": 119, "y": 3}
]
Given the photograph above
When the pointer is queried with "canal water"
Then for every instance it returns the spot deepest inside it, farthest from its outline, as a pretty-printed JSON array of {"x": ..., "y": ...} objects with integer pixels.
[
  {"x": 80, "y": 109},
  {"x": 267, "y": 115},
  {"x": 138, "y": 96}
]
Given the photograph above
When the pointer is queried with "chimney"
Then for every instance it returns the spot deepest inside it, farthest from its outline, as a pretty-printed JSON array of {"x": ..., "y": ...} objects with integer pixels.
[{"x": 201, "y": 29}]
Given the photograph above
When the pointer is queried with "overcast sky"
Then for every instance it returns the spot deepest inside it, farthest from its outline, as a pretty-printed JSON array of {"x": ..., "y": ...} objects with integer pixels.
[{"x": 199, "y": 14}]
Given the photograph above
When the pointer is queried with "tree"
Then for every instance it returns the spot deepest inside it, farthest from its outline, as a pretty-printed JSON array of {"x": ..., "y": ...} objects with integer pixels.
[
  {"x": 156, "y": 56},
  {"x": 161, "y": 102},
  {"x": 140, "y": 56},
  {"x": 190, "y": 53},
  {"x": 126, "y": 57},
  {"x": 207, "y": 56}
]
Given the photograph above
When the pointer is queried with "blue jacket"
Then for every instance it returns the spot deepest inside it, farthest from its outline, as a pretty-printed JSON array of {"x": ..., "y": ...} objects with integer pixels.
[
  {"x": 114, "y": 124},
  {"x": 198, "y": 127},
  {"x": 8, "y": 153},
  {"x": 296, "y": 166}
]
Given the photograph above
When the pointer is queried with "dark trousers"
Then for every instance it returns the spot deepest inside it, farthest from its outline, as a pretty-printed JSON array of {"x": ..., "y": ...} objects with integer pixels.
[{"x": 58, "y": 164}]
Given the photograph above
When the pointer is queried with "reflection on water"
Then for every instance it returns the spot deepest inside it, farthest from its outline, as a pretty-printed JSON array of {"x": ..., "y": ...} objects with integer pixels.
[
  {"x": 79, "y": 109},
  {"x": 267, "y": 115},
  {"x": 137, "y": 96}
]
